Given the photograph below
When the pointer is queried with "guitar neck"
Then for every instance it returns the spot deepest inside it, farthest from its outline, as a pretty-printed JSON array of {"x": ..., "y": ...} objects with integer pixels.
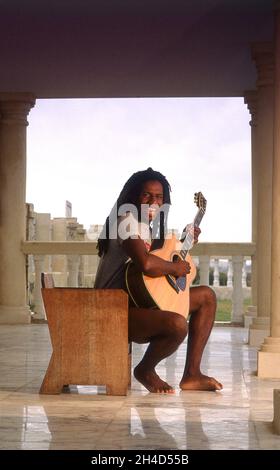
[{"x": 188, "y": 242}]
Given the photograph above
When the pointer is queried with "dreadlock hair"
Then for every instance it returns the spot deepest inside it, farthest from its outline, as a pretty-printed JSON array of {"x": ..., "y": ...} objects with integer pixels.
[{"x": 130, "y": 195}]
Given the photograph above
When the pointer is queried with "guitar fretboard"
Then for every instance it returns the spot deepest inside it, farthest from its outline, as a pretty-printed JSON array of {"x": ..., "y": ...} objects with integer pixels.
[{"x": 188, "y": 242}]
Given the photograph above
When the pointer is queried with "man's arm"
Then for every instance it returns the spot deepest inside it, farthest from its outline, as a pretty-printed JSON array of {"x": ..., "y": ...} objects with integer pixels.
[{"x": 150, "y": 264}]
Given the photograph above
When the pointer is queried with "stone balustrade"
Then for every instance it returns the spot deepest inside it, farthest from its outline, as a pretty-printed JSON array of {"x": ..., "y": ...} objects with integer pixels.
[{"x": 206, "y": 255}]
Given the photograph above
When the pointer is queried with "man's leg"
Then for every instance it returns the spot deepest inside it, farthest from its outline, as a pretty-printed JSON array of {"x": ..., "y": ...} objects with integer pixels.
[
  {"x": 202, "y": 316},
  {"x": 165, "y": 331}
]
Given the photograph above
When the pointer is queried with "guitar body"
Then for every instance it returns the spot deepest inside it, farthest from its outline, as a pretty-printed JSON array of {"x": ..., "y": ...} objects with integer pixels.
[{"x": 163, "y": 292}]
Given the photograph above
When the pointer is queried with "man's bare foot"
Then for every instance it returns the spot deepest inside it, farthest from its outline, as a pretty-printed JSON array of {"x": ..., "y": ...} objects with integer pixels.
[
  {"x": 152, "y": 381},
  {"x": 200, "y": 382}
]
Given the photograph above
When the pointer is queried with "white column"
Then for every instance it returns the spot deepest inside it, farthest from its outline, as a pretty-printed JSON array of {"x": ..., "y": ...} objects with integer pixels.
[
  {"x": 269, "y": 355},
  {"x": 38, "y": 303},
  {"x": 263, "y": 56},
  {"x": 59, "y": 265},
  {"x": 73, "y": 263},
  {"x": 216, "y": 281},
  {"x": 92, "y": 261},
  {"x": 30, "y": 235},
  {"x": 81, "y": 235},
  {"x": 237, "y": 293},
  {"x": 43, "y": 234},
  {"x": 251, "y": 99},
  {"x": 229, "y": 274},
  {"x": 204, "y": 262},
  {"x": 42, "y": 262},
  {"x": 14, "y": 108}
]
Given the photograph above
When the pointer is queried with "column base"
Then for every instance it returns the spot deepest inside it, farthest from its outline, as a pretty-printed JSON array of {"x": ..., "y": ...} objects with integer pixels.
[
  {"x": 39, "y": 313},
  {"x": 14, "y": 315},
  {"x": 268, "y": 365},
  {"x": 249, "y": 316},
  {"x": 256, "y": 337},
  {"x": 259, "y": 330},
  {"x": 237, "y": 320},
  {"x": 276, "y": 407},
  {"x": 269, "y": 359}
]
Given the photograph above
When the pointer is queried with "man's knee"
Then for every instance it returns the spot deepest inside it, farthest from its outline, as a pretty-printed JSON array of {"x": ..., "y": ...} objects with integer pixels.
[
  {"x": 209, "y": 296},
  {"x": 178, "y": 326}
]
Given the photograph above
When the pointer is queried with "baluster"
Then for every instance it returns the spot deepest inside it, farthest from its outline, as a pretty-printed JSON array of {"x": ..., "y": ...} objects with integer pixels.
[
  {"x": 244, "y": 274},
  {"x": 41, "y": 262},
  {"x": 74, "y": 232},
  {"x": 237, "y": 294},
  {"x": 59, "y": 266},
  {"x": 204, "y": 262},
  {"x": 39, "y": 310},
  {"x": 73, "y": 262},
  {"x": 30, "y": 235},
  {"x": 229, "y": 274},
  {"x": 216, "y": 281}
]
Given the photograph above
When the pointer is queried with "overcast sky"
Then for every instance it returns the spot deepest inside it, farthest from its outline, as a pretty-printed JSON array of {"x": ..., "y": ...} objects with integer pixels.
[{"x": 85, "y": 150}]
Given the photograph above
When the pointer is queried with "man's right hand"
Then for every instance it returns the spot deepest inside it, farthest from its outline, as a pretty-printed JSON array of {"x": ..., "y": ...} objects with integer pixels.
[
  {"x": 180, "y": 268},
  {"x": 152, "y": 265}
]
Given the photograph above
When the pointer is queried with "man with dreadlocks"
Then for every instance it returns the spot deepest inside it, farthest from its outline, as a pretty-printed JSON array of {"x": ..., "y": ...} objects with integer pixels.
[{"x": 163, "y": 330}]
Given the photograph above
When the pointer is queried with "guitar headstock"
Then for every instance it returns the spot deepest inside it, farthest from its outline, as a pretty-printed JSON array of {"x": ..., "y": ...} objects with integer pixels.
[{"x": 200, "y": 201}]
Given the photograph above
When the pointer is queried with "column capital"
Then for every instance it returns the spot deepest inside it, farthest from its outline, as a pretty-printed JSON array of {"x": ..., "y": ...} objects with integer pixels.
[
  {"x": 251, "y": 99},
  {"x": 262, "y": 54},
  {"x": 14, "y": 107}
]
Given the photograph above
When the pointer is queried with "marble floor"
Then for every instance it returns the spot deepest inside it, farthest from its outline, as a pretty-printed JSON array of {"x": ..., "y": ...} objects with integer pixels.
[{"x": 239, "y": 417}]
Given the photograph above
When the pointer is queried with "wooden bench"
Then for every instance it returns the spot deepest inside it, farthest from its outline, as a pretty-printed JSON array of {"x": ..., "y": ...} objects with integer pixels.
[{"x": 89, "y": 335}]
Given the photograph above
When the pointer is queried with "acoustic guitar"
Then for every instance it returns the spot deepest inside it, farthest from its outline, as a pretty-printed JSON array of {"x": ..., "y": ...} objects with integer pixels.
[{"x": 167, "y": 292}]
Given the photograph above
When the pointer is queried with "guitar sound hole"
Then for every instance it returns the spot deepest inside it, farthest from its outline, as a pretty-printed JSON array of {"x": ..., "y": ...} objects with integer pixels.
[{"x": 175, "y": 258}]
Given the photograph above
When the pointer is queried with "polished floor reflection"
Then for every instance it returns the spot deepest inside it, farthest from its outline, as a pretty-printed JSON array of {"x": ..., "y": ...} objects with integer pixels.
[{"x": 239, "y": 417}]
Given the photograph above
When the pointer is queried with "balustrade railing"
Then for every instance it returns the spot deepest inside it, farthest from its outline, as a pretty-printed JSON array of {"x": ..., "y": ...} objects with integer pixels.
[{"x": 80, "y": 264}]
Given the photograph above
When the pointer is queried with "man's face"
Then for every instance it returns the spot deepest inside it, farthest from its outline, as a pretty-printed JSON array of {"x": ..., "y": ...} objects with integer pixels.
[{"x": 152, "y": 194}]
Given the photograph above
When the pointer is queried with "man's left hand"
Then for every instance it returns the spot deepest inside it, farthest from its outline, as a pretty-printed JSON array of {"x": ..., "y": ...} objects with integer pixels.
[
  {"x": 196, "y": 233},
  {"x": 193, "y": 231}
]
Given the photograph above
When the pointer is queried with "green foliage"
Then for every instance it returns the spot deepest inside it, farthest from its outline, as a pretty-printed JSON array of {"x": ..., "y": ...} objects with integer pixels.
[
  {"x": 222, "y": 277},
  {"x": 249, "y": 279},
  {"x": 223, "y": 312},
  {"x": 224, "y": 308}
]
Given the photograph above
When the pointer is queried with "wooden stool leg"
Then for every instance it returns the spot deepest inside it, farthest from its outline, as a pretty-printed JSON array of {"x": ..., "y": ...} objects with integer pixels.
[{"x": 52, "y": 383}]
